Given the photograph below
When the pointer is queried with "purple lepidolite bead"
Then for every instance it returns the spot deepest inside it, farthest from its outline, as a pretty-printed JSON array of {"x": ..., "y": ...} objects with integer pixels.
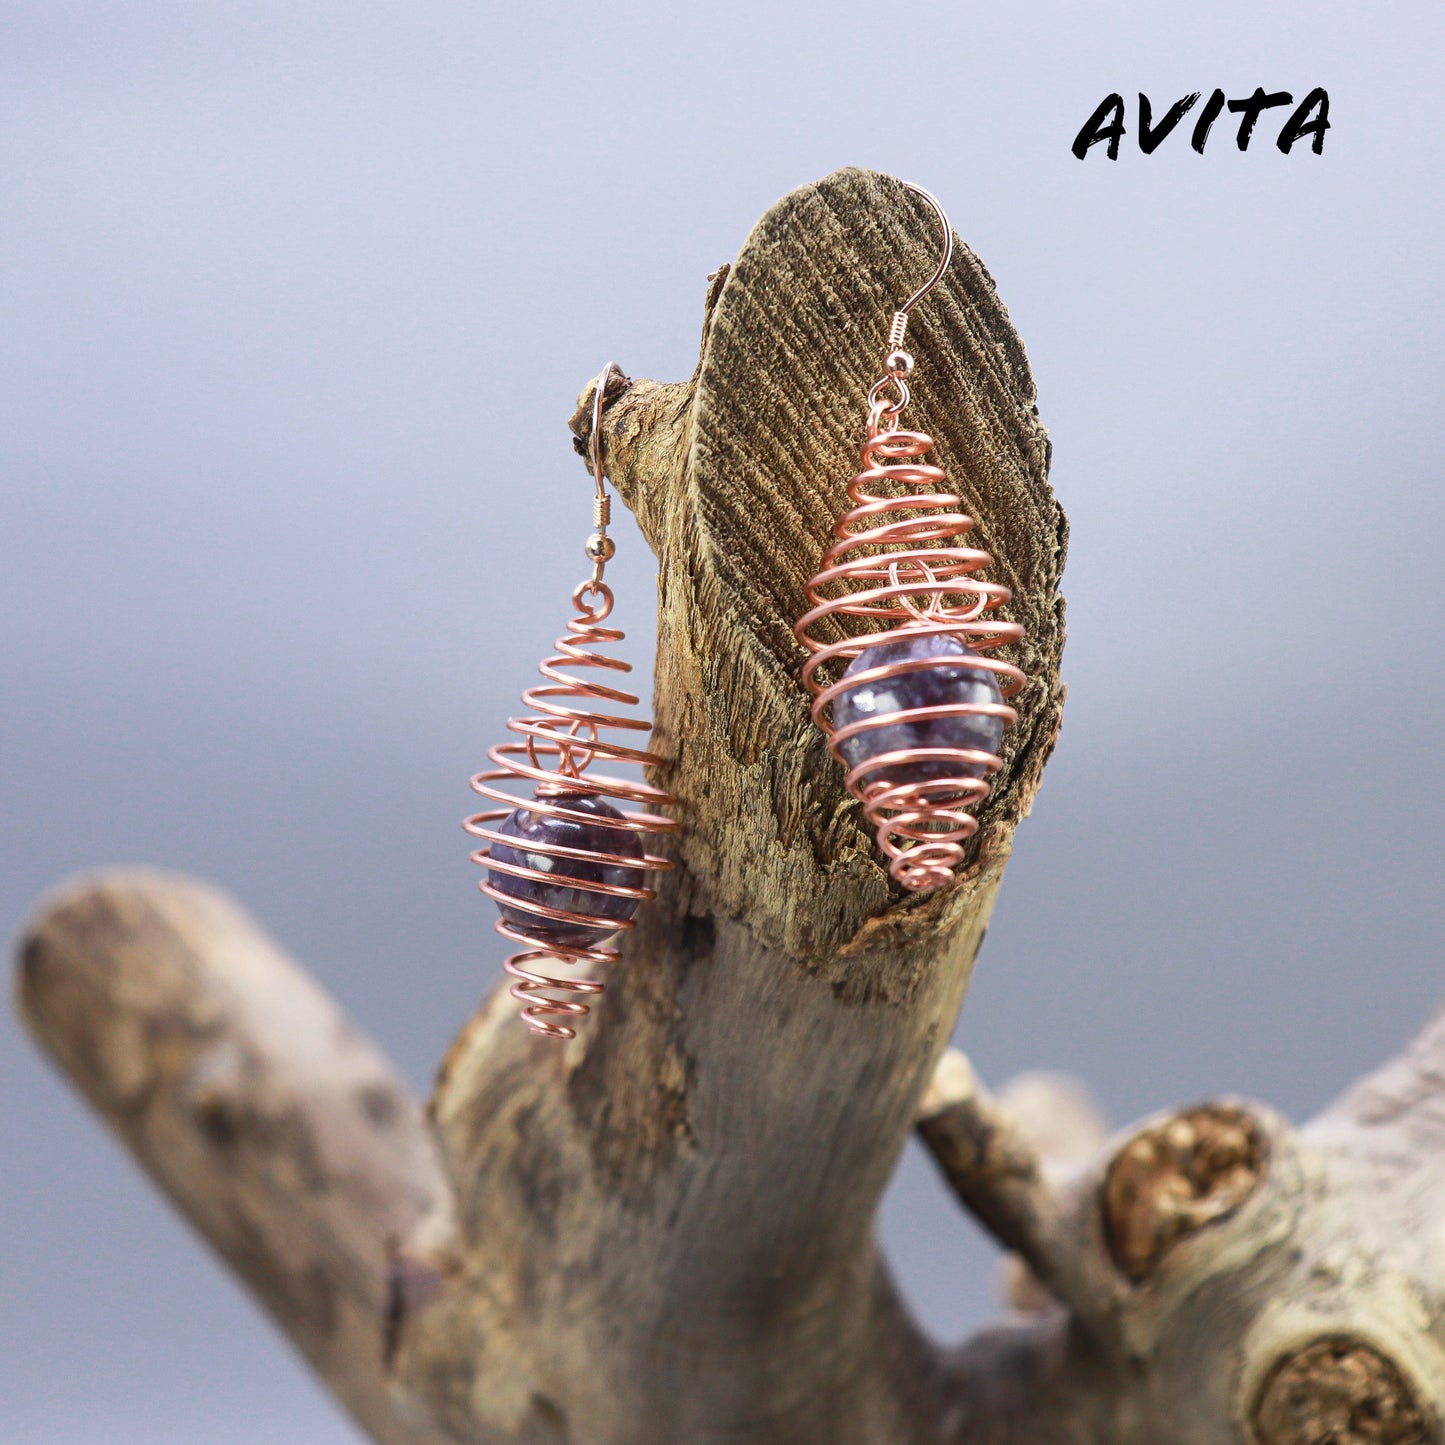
[
  {"x": 529, "y": 827},
  {"x": 949, "y": 681}
]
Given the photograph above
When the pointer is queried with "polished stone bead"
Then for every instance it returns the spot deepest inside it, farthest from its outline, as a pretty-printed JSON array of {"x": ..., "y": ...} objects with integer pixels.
[
  {"x": 947, "y": 681},
  {"x": 529, "y": 827}
]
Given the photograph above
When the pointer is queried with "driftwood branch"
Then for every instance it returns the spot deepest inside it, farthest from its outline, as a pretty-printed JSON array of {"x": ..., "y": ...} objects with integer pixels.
[
  {"x": 663, "y": 1231},
  {"x": 998, "y": 1155},
  {"x": 1215, "y": 1273},
  {"x": 278, "y": 1131}
]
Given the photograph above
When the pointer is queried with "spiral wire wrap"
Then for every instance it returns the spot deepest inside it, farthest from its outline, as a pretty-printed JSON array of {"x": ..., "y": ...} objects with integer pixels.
[
  {"x": 899, "y": 566},
  {"x": 556, "y": 745}
]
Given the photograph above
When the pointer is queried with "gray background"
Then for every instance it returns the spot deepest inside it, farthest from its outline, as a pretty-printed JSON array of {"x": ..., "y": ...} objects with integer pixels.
[{"x": 297, "y": 300}]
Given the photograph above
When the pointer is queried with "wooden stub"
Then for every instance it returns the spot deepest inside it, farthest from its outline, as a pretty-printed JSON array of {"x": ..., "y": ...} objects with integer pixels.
[
  {"x": 1177, "y": 1176},
  {"x": 1338, "y": 1392}
]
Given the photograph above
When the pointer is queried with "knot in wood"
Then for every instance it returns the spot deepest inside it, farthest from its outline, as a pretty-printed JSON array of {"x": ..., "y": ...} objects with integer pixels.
[
  {"x": 1338, "y": 1392},
  {"x": 1174, "y": 1178}
]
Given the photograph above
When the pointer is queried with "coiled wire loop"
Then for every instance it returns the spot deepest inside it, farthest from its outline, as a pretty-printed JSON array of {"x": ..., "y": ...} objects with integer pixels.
[
  {"x": 898, "y": 566},
  {"x": 558, "y": 741}
]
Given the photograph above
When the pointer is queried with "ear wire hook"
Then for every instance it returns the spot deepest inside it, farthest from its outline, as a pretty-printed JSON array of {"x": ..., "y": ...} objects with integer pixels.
[
  {"x": 600, "y": 547},
  {"x": 942, "y": 265},
  {"x": 595, "y": 448},
  {"x": 899, "y": 363}
]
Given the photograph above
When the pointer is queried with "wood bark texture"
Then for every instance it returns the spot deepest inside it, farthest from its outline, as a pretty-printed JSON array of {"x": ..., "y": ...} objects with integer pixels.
[{"x": 663, "y": 1231}]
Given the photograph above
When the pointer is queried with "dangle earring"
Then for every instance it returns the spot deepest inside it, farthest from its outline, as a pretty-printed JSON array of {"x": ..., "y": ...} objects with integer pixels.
[
  {"x": 916, "y": 713},
  {"x": 566, "y": 867}
]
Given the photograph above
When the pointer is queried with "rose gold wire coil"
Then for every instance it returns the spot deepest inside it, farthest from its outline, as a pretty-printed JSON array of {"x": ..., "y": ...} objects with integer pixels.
[
  {"x": 558, "y": 742},
  {"x": 899, "y": 565}
]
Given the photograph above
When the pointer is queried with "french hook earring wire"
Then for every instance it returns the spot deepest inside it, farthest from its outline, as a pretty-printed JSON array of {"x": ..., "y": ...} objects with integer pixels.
[
  {"x": 896, "y": 634},
  {"x": 567, "y": 867}
]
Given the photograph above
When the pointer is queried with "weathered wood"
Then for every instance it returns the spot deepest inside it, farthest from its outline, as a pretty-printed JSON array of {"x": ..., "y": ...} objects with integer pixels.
[
  {"x": 997, "y": 1156},
  {"x": 278, "y": 1131},
  {"x": 1217, "y": 1275},
  {"x": 663, "y": 1231},
  {"x": 737, "y": 478},
  {"x": 693, "y": 1183}
]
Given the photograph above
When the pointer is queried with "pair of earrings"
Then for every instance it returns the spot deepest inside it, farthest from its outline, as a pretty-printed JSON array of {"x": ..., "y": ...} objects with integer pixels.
[{"x": 897, "y": 632}]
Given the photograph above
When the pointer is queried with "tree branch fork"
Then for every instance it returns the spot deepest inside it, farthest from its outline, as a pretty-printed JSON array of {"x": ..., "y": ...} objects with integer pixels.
[{"x": 664, "y": 1229}]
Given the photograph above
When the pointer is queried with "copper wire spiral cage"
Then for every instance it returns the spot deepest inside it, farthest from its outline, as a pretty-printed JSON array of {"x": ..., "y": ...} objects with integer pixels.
[
  {"x": 899, "y": 567},
  {"x": 560, "y": 739}
]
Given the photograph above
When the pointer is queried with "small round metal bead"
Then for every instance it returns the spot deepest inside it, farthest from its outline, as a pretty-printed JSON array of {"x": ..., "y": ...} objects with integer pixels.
[
  {"x": 600, "y": 548},
  {"x": 899, "y": 363}
]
